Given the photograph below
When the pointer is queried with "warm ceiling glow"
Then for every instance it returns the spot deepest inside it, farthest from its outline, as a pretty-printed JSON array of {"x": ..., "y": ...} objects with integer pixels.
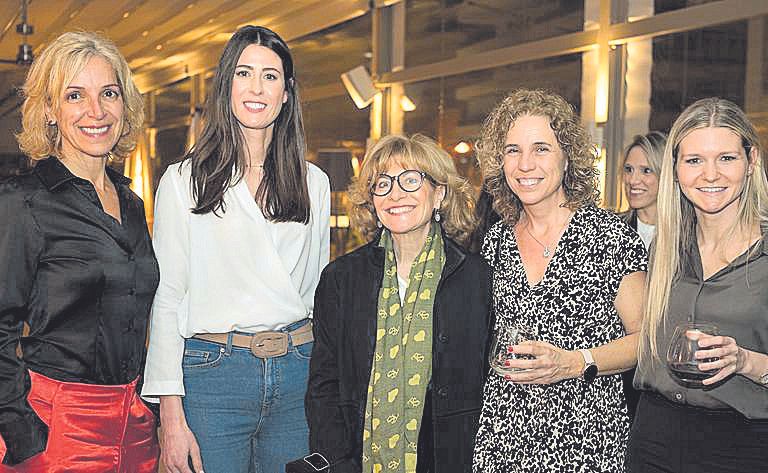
[
  {"x": 462, "y": 147},
  {"x": 342, "y": 221},
  {"x": 407, "y": 104}
]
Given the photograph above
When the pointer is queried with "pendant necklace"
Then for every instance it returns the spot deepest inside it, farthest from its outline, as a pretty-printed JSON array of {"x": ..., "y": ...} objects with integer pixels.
[{"x": 547, "y": 251}]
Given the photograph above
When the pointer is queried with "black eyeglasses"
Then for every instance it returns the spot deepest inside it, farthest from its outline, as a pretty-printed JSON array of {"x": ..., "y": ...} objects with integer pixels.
[{"x": 409, "y": 180}]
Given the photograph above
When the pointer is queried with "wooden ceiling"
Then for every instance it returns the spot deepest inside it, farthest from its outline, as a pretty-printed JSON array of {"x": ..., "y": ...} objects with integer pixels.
[{"x": 166, "y": 40}]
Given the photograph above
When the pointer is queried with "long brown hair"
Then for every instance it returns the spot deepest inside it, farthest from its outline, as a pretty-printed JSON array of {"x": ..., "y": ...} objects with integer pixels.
[{"x": 219, "y": 158}]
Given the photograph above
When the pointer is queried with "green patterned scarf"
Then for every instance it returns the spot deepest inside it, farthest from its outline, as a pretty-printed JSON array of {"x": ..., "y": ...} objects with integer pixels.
[{"x": 402, "y": 364}]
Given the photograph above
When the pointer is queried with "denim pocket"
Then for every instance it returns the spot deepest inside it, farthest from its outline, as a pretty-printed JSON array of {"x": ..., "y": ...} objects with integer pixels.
[
  {"x": 202, "y": 358},
  {"x": 303, "y": 352}
]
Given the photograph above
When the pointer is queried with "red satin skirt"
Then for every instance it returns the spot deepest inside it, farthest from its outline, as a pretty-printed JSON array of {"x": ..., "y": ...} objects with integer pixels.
[{"x": 92, "y": 429}]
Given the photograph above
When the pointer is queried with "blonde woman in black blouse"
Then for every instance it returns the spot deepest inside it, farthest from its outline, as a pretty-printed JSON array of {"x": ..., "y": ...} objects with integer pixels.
[
  {"x": 710, "y": 263},
  {"x": 77, "y": 266}
]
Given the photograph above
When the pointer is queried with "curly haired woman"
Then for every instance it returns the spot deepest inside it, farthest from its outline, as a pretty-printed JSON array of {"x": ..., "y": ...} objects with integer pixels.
[{"x": 570, "y": 273}]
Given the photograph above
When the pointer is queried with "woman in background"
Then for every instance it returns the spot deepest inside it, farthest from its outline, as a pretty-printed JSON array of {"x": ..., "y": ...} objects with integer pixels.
[
  {"x": 570, "y": 273},
  {"x": 709, "y": 264},
  {"x": 642, "y": 166},
  {"x": 241, "y": 234},
  {"x": 78, "y": 268},
  {"x": 401, "y": 324}
]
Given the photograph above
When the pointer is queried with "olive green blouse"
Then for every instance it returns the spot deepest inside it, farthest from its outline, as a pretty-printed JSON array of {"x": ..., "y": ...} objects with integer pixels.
[{"x": 736, "y": 300}]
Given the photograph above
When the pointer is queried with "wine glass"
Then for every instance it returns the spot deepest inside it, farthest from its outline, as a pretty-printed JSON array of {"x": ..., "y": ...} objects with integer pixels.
[
  {"x": 681, "y": 359},
  {"x": 503, "y": 338}
]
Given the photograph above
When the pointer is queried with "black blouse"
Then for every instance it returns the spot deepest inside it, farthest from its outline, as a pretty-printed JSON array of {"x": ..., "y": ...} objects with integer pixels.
[{"x": 84, "y": 283}]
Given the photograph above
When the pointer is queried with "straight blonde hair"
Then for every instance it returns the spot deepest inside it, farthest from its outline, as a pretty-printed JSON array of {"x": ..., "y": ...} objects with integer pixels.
[{"x": 676, "y": 220}]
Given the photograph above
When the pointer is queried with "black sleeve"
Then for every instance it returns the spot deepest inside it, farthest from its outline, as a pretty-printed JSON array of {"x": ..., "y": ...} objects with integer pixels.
[
  {"x": 20, "y": 246},
  {"x": 328, "y": 434},
  {"x": 490, "y": 318}
]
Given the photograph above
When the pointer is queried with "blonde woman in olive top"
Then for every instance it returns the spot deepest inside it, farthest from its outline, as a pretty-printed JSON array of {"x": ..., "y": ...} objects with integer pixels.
[{"x": 710, "y": 263}]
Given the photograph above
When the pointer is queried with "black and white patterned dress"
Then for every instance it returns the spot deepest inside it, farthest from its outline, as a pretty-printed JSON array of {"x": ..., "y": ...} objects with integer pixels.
[{"x": 570, "y": 426}]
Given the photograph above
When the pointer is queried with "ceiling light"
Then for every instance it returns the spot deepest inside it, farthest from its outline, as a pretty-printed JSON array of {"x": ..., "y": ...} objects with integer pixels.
[
  {"x": 462, "y": 147},
  {"x": 159, "y": 47},
  {"x": 145, "y": 33},
  {"x": 407, "y": 104},
  {"x": 126, "y": 14}
]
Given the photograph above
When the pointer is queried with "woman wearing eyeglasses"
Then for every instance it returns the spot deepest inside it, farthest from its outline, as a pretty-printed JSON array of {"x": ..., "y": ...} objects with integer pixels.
[{"x": 401, "y": 324}]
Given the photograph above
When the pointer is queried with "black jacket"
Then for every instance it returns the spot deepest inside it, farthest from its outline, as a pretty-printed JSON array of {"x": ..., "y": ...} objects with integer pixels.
[{"x": 344, "y": 329}]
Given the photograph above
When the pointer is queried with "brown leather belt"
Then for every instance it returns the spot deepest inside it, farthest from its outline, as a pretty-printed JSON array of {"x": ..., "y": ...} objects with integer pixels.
[{"x": 263, "y": 344}]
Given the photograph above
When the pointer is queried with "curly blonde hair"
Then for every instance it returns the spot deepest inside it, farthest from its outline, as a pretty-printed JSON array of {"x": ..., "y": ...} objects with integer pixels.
[
  {"x": 580, "y": 178},
  {"x": 52, "y": 72},
  {"x": 421, "y": 153}
]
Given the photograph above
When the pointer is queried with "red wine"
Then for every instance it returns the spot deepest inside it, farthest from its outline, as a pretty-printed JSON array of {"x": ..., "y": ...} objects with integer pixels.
[{"x": 690, "y": 372}]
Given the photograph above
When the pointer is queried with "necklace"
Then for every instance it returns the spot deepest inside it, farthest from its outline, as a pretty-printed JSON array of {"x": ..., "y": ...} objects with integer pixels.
[
  {"x": 254, "y": 165},
  {"x": 547, "y": 250}
]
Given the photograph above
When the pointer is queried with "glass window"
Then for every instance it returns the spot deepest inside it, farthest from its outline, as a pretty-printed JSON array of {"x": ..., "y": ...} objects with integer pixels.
[
  {"x": 696, "y": 64},
  {"x": 336, "y": 129},
  {"x": 335, "y": 122},
  {"x": 321, "y": 57},
  {"x": 444, "y": 29},
  {"x": 661, "y": 6},
  {"x": 468, "y": 98},
  {"x": 170, "y": 146},
  {"x": 173, "y": 102}
]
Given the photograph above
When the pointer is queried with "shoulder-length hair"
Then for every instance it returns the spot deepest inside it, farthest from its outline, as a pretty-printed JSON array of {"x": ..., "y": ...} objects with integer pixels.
[
  {"x": 421, "y": 153},
  {"x": 49, "y": 76},
  {"x": 219, "y": 158},
  {"x": 676, "y": 218},
  {"x": 580, "y": 178},
  {"x": 652, "y": 144}
]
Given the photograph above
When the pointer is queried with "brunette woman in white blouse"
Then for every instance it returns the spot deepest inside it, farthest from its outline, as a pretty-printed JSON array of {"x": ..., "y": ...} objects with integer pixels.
[{"x": 241, "y": 233}]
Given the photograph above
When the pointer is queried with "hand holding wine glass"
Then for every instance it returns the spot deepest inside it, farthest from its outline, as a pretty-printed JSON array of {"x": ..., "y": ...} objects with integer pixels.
[
  {"x": 684, "y": 358},
  {"x": 719, "y": 355}
]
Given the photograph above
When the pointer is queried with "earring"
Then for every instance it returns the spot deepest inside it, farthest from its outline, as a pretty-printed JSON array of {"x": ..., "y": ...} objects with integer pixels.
[
  {"x": 378, "y": 223},
  {"x": 437, "y": 216}
]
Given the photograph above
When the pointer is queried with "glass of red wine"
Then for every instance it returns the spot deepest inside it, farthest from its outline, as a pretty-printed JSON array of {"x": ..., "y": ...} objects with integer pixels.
[{"x": 681, "y": 359}]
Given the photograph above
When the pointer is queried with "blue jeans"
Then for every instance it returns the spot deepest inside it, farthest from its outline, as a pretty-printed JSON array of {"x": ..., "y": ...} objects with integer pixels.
[{"x": 247, "y": 413}]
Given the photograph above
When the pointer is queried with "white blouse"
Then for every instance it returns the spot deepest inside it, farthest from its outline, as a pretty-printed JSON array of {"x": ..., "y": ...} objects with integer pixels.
[{"x": 236, "y": 271}]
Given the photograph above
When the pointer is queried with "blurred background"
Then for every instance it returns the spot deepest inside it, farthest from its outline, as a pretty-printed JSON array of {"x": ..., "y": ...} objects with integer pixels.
[{"x": 431, "y": 66}]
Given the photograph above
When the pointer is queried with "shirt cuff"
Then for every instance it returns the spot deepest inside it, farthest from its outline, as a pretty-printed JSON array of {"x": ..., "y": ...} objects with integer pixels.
[{"x": 151, "y": 390}]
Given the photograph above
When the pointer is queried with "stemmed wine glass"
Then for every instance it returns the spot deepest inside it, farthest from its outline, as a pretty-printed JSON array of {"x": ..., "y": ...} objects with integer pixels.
[
  {"x": 503, "y": 338},
  {"x": 681, "y": 359}
]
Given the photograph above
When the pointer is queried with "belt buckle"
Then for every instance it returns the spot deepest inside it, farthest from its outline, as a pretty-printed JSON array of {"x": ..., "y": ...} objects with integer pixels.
[{"x": 269, "y": 344}]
